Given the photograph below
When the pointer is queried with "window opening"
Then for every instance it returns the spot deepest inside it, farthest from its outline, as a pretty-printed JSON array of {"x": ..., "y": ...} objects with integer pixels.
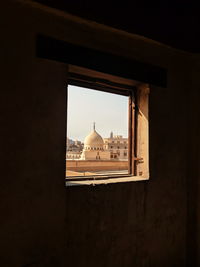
[
  {"x": 84, "y": 106},
  {"x": 135, "y": 157}
]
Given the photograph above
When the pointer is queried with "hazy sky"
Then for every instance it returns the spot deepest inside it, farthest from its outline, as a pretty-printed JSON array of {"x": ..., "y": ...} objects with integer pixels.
[{"x": 85, "y": 106}]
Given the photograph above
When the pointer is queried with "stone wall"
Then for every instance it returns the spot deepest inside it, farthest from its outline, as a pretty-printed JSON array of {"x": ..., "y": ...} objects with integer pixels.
[{"x": 94, "y": 165}]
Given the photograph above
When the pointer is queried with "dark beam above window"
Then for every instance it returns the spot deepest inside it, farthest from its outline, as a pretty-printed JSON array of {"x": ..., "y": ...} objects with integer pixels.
[{"x": 50, "y": 48}]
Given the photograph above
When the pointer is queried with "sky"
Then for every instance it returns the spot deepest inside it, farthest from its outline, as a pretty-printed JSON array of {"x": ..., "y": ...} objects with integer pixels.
[{"x": 86, "y": 106}]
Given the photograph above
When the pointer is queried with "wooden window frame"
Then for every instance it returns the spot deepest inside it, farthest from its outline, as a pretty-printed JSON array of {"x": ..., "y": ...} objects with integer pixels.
[{"x": 85, "y": 78}]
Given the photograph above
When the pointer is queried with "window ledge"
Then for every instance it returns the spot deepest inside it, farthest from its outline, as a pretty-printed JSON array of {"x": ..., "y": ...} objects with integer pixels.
[{"x": 107, "y": 181}]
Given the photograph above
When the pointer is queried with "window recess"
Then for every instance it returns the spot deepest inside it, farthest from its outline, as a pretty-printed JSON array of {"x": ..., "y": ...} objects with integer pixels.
[{"x": 137, "y": 146}]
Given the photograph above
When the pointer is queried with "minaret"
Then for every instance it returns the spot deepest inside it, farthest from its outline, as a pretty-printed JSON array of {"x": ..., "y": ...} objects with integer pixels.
[
  {"x": 94, "y": 126},
  {"x": 111, "y": 135}
]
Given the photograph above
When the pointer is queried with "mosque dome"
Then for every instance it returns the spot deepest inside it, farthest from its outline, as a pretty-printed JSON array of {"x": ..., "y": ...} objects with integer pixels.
[{"x": 93, "y": 140}]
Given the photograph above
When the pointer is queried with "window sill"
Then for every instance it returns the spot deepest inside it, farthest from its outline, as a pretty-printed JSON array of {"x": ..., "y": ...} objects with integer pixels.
[{"x": 107, "y": 181}]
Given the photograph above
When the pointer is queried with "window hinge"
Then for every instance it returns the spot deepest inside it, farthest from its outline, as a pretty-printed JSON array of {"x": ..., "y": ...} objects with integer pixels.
[{"x": 139, "y": 160}]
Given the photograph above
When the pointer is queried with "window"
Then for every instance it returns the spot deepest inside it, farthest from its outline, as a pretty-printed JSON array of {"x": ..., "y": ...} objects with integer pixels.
[
  {"x": 137, "y": 128},
  {"x": 107, "y": 65}
]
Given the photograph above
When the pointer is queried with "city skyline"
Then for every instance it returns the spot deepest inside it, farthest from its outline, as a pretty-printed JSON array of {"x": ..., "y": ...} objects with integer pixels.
[{"x": 86, "y": 106}]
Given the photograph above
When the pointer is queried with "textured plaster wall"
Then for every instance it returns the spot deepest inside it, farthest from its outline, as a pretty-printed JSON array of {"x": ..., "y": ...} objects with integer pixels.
[{"x": 147, "y": 223}]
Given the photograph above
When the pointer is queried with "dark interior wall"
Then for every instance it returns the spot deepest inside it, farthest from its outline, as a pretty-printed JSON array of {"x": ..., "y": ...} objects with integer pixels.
[
  {"x": 127, "y": 224},
  {"x": 193, "y": 185},
  {"x": 33, "y": 106},
  {"x": 197, "y": 167},
  {"x": 166, "y": 22}
]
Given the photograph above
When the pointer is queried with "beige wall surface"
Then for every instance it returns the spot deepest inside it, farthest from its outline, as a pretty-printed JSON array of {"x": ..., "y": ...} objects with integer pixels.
[
  {"x": 148, "y": 223},
  {"x": 96, "y": 165}
]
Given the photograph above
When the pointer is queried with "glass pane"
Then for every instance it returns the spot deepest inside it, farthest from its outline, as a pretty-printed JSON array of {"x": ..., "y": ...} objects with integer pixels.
[{"x": 97, "y": 133}]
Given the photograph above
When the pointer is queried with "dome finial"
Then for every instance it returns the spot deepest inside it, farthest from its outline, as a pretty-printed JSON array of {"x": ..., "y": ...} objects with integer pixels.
[{"x": 94, "y": 126}]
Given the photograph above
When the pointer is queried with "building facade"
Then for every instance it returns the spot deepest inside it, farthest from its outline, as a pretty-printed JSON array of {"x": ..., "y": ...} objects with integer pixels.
[
  {"x": 74, "y": 149},
  {"x": 118, "y": 147},
  {"x": 97, "y": 148},
  {"x": 94, "y": 147}
]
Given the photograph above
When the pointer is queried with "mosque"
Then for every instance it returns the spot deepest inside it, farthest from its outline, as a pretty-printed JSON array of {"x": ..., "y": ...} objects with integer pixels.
[{"x": 94, "y": 147}]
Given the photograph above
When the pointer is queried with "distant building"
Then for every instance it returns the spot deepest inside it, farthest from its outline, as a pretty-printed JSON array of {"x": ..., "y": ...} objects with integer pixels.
[
  {"x": 118, "y": 146},
  {"x": 69, "y": 142},
  {"x": 94, "y": 147},
  {"x": 97, "y": 148},
  {"x": 73, "y": 155},
  {"x": 74, "y": 149}
]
